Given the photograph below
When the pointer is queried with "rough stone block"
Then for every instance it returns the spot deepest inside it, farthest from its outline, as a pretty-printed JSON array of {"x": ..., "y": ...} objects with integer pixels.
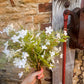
[
  {"x": 30, "y": 12},
  {"x": 32, "y": 5},
  {"x": 43, "y": 1},
  {"x": 42, "y": 18},
  {"x": 11, "y": 10},
  {"x": 2, "y": 1},
  {"x": 16, "y": 16},
  {"x": 28, "y": 19},
  {"x": 35, "y": 1},
  {"x": 32, "y": 26},
  {"x": 2, "y": 10},
  {"x": 8, "y": 10},
  {"x": 45, "y": 7},
  {"x": 4, "y": 4}
]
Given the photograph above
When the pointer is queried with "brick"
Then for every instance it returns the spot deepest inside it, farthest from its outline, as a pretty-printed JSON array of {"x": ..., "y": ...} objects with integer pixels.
[
  {"x": 35, "y": 1},
  {"x": 42, "y": 18},
  {"x": 45, "y": 7},
  {"x": 28, "y": 19},
  {"x": 43, "y": 26}
]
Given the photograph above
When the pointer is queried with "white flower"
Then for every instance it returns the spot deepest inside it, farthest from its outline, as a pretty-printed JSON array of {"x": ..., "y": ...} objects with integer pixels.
[
  {"x": 18, "y": 50},
  {"x": 52, "y": 53},
  {"x": 51, "y": 66},
  {"x": 20, "y": 63},
  {"x": 56, "y": 49},
  {"x": 22, "y": 33},
  {"x": 6, "y": 45},
  {"x": 22, "y": 43},
  {"x": 8, "y": 29},
  {"x": 53, "y": 61},
  {"x": 65, "y": 33},
  {"x": 31, "y": 38},
  {"x": 9, "y": 53},
  {"x": 58, "y": 35},
  {"x": 20, "y": 74},
  {"x": 44, "y": 47},
  {"x": 61, "y": 55},
  {"x": 44, "y": 52},
  {"x": 59, "y": 48},
  {"x": 58, "y": 61},
  {"x": 38, "y": 35},
  {"x": 25, "y": 55},
  {"x": 49, "y": 30},
  {"x": 48, "y": 43},
  {"x": 1, "y": 32},
  {"x": 42, "y": 56},
  {"x": 15, "y": 38},
  {"x": 5, "y": 51}
]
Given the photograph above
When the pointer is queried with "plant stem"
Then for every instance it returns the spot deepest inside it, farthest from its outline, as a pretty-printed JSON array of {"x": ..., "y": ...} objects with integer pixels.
[{"x": 39, "y": 68}]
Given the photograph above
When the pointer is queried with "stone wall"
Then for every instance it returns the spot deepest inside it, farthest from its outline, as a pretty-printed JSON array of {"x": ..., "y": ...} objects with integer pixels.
[{"x": 31, "y": 14}]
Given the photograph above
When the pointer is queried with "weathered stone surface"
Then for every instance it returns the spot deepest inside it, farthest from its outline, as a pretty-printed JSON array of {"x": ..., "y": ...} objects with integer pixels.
[
  {"x": 43, "y": 1},
  {"x": 4, "y": 36},
  {"x": 43, "y": 26},
  {"x": 4, "y": 4},
  {"x": 28, "y": 19},
  {"x": 9, "y": 74},
  {"x": 42, "y": 18},
  {"x": 8, "y": 10},
  {"x": 35, "y": 1},
  {"x": 30, "y": 12},
  {"x": 2, "y": 1},
  {"x": 32, "y": 5},
  {"x": 31, "y": 26},
  {"x": 29, "y": 1},
  {"x": 16, "y": 16},
  {"x": 11, "y": 10},
  {"x": 2, "y": 10},
  {"x": 45, "y": 7},
  {"x": 28, "y": 5},
  {"x": 76, "y": 71}
]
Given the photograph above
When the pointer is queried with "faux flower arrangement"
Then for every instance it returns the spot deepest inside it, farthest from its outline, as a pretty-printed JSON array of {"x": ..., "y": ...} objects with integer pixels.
[{"x": 32, "y": 49}]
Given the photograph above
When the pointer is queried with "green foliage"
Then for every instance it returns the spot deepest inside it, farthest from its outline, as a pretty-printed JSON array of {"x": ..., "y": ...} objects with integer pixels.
[{"x": 40, "y": 46}]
